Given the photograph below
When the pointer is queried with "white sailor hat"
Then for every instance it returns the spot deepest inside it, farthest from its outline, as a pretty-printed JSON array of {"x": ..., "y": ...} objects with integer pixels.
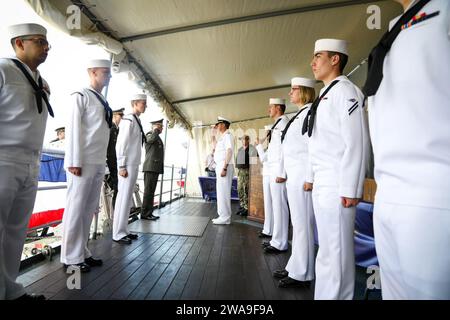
[
  {"x": 222, "y": 120},
  {"x": 138, "y": 96},
  {"x": 277, "y": 101},
  {"x": 157, "y": 121},
  {"x": 60, "y": 129},
  {"x": 335, "y": 45},
  {"x": 26, "y": 29},
  {"x": 304, "y": 82},
  {"x": 98, "y": 63}
]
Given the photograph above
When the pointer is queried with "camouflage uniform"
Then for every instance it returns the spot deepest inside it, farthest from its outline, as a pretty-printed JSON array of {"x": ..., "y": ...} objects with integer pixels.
[
  {"x": 243, "y": 183},
  {"x": 243, "y": 164}
]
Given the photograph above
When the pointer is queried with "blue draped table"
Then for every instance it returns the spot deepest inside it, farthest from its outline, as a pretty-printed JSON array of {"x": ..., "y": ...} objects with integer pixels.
[
  {"x": 208, "y": 186},
  {"x": 52, "y": 168}
]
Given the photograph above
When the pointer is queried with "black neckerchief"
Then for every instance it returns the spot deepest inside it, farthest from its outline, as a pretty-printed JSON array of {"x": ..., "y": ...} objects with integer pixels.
[
  {"x": 377, "y": 55},
  {"x": 283, "y": 134},
  {"x": 142, "y": 130},
  {"x": 105, "y": 104},
  {"x": 269, "y": 134},
  {"x": 308, "y": 124},
  {"x": 37, "y": 87}
]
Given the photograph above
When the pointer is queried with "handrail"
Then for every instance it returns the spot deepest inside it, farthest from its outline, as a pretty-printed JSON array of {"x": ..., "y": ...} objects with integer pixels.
[
  {"x": 52, "y": 188},
  {"x": 182, "y": 178}
]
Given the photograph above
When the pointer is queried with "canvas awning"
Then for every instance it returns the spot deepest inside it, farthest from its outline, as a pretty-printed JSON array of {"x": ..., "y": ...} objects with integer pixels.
[{"x": 203, "y": 58}]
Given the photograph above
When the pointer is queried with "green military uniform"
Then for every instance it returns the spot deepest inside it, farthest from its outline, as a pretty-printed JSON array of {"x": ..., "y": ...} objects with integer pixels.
[
  {"x": 153, "y": 167},
  {"x": 111, "y": 161}
]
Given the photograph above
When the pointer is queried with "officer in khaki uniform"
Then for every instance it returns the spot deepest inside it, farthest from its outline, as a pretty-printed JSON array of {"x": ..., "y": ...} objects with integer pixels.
[{"x": 153, "y": 167}]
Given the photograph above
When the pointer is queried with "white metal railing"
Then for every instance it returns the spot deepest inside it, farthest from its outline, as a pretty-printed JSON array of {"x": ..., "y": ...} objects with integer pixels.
[{"x": 105, "y": 203}]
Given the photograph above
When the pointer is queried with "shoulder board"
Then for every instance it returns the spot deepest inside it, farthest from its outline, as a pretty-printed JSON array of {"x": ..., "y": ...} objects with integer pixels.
[{"x": 77, "y": 92}]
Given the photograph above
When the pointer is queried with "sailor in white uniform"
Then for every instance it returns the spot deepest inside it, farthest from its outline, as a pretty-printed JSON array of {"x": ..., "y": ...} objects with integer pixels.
[
  {"x": 300, "y": 267},
  {"x": 279, "y": 241},
  {"x": 87, "y": 135},
  {"x": 268, "y": 211},
  {"x": 128, "y": 150},
  {"x": 223, "y": 156},
  {"x": 24, "y": 108},
  {"x": 409, "y": 113},
  {"x": 338, "y": 150}
]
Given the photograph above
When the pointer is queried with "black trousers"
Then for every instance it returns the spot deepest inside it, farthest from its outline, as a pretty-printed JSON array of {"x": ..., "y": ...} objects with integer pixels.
[
  {"x": 113, "y": 182},
  {"x": 150, "y": 182}
]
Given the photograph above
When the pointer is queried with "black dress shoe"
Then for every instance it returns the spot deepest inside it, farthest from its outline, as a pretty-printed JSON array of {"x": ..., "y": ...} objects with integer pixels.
[
  {"x": 280, "y": 274},
  {"x": 83, "y": 267},
  {"x": 132, "y": 236},
  {"x": 31, "y": 297},
  {"x": 91, "y": 262},
  {"x": 151, "y": 218},
  {"x": 265, "y": 244},
  {"x": 263, "y": 235},
  {"x": 292, "y": 283},
  {"x": 124, "y": 240},
  {"x": 270, "y": 249}
]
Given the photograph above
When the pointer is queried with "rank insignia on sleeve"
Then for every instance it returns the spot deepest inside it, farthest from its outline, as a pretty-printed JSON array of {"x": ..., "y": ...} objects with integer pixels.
[{"x": 353, "y": 107}]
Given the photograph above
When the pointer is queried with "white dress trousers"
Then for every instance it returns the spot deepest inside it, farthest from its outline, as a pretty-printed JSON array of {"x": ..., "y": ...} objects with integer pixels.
[
  {"x": 223, "y": 191},
  {"x": 335, "y": 261},
  {"x": 280, "y": 214},
  {"x": 83, "y": 195},
  {"x": 301, "y": 263},
  {"x": 415, "y": 257},
  {"x": 268, "y": 210},
  {"x": 18, "y": 187},
  {"x": 123, "y": 202},
  {"x": 278, "y": 190}
]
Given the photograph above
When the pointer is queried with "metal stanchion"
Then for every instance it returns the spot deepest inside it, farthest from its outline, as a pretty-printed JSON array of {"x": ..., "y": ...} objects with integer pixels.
[{"x": 171, "y": 185}]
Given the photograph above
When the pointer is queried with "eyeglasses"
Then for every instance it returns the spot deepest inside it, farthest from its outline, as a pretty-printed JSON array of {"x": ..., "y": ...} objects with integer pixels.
[{"x": 41, "y": 42}]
